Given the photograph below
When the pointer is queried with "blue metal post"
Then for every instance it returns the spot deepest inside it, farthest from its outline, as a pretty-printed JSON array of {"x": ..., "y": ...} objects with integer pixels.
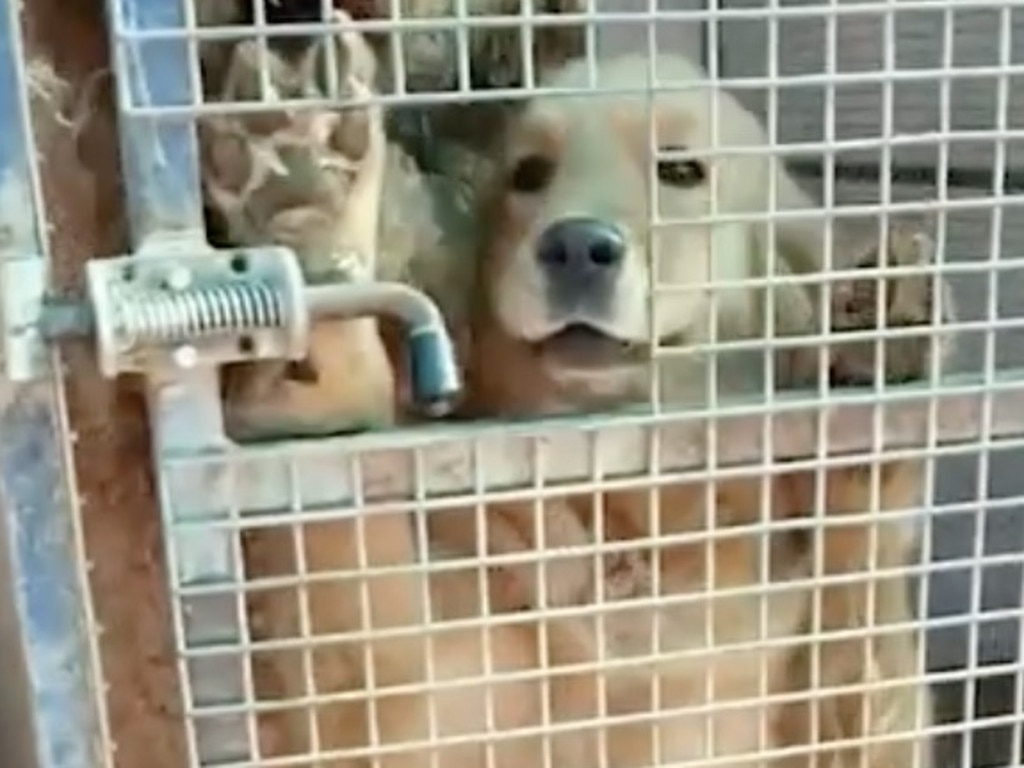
[{"x": 37, "y": 507}]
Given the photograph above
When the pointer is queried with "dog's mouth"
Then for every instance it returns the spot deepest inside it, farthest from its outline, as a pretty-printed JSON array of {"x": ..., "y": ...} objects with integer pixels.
[{"x": 582, "y": 347}]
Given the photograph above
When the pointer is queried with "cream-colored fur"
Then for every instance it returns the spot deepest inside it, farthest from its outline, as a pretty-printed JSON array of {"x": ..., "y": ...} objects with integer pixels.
[
  {"x": 597, "y": 147},
  {"x": 600, "y": 147}
]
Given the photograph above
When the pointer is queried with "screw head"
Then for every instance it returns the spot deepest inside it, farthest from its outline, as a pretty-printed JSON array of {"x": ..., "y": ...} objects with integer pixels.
[
  {"x": 185, "y": 356},
  {"x": 179, "y": 278}
]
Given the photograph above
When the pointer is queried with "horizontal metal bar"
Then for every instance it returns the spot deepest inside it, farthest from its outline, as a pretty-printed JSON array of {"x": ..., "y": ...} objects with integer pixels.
[
  {"x": 411, "y": 23},
  {"x": 173, "y": 112},
  {"x": 962, "y": 177},
  {"x": 625, "y": 450},
  {"x": 448, "y": 460}
]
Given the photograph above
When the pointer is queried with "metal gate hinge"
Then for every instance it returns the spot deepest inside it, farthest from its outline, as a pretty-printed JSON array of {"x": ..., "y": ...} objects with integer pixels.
[{"x": 208, "y": 308}]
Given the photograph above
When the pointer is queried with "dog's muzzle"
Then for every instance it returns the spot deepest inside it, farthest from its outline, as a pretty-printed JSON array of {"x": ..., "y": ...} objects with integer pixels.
[{"x": 581, "y": 260}]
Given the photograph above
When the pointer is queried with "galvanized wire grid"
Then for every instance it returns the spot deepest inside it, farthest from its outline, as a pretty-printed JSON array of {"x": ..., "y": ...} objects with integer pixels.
[{"x": 211, "y": 494}]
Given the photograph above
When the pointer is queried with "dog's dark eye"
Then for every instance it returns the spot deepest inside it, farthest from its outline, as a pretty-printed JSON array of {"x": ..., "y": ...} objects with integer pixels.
[
  {"x": 531, "y": 174},
  {"x": 681, "y": 173}
]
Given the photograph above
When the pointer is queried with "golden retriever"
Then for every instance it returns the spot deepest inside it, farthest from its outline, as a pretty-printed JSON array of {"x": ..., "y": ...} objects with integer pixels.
[{"x": 565, "y": 323}]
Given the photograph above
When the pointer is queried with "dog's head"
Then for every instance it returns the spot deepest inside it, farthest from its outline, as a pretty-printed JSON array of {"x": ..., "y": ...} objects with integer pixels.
[{"x": 573, "y": 255}]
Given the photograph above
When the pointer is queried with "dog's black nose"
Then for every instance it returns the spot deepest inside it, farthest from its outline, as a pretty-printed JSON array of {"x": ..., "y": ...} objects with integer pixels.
[
  {"x": 580, "y": 249},
  {"x": 581, "y": 259}
]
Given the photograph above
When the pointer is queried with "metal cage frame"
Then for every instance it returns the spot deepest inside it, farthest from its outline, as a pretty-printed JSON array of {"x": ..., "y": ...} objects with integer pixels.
[{"x": 210, "y": 489}]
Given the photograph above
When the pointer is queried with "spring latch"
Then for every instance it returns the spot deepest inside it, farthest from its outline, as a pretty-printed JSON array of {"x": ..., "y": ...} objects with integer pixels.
[
  {"x": 165, "y": 317},
  {"x": 217, "y": 307},
  {"x": 208, "y": 307}
]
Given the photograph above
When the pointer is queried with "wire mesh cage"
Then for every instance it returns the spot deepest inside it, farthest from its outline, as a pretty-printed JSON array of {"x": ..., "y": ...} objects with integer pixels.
[{"x": 698, "y": 263}]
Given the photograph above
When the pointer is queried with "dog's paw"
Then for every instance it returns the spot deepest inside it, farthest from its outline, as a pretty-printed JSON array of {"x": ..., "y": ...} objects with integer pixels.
[
  {"x": 346, "y": 386},
  {"x": 908, "y": 301},
  {"x": 309, "y": 177}
]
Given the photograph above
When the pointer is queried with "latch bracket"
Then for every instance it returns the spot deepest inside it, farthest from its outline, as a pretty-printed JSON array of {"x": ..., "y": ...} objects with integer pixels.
[
  {"x": 212, "y": 307},
  {"x": 206, "y": 308}
]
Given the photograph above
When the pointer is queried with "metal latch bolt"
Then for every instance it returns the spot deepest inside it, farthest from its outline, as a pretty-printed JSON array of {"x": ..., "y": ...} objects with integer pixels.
[{"x": 211, "y": 308}]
